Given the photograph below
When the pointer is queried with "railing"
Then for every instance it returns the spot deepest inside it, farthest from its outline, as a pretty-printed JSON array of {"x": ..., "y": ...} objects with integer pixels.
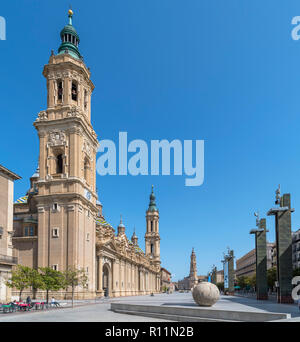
[{"x": 8, "y": 259}]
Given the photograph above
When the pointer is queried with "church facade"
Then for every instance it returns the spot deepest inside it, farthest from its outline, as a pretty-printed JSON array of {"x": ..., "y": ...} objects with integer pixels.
[{"x": 59, "y": 223}]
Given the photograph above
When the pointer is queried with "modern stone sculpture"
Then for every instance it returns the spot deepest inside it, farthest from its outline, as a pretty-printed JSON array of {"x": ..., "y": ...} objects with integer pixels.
[
  {"x": 214, "y": 275},
  {"x": 261, "y": 258},
  {"x": 206, "y": 294},
  {"x": 283, "y": 246},
  {"x": 228, "y": 264}
]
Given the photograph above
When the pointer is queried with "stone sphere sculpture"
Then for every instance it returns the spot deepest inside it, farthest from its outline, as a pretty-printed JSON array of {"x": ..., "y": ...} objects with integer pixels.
[{"x": 206, "y": 294}]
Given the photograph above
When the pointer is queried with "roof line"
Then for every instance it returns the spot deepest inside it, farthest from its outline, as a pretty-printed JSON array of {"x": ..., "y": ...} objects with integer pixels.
[{"x": 9, "y": 173}]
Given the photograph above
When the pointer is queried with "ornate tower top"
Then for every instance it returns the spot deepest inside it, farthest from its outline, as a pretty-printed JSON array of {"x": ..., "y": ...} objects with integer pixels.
[
  {"x": 121, "y": 227},
  {"x": 69, "y": 39},
  {"x": 134, "y": 238},
  {"x": 152, "y": 204}
]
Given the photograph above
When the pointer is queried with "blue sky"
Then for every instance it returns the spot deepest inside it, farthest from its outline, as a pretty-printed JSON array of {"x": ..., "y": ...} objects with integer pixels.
[{"x": 223, "y": 71}]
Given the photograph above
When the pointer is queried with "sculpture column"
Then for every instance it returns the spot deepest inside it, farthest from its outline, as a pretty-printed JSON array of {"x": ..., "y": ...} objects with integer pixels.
[
  {"x": 284, "y": 246},
  {"x": 214, "y": 276},
  {"x": 261, "y": 259}
]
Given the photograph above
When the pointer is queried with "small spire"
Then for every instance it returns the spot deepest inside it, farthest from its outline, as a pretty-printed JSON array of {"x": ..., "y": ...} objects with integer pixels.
[
  {"x": 121, "y": 223},
  {"x": 152, "y": 204},
  {"x": 70, "y": 15},
  {"x": 134, "y": 238}
]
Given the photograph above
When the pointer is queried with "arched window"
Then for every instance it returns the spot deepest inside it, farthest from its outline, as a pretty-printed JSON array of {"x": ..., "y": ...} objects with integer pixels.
[
  {"x": 151, "y": 226},
  {"x": 59, "y": 90},
  {"x": 74, "y": 91},
  {"x": 151, "y": 248},
  {"x": 59, "y": 164}
]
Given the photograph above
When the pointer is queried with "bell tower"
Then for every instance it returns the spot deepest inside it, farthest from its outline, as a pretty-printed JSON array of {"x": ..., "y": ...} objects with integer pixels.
[
  {"x": 152, "y": 238},
  {"x": 193, "y": 270},
  {"x": 66, "y": 199}
]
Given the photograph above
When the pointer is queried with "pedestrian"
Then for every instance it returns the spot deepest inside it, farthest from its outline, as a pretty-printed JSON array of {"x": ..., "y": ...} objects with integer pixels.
[
  {"x": 28, "y": 300},
  {"x": 54, "y": 302}
]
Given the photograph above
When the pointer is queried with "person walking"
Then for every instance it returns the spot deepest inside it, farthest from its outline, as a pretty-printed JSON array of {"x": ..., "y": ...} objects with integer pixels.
[{"x": 28, "y": 302}]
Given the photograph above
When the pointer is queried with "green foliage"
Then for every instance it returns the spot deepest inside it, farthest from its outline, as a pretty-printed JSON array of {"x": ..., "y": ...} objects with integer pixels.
[
  {"x": 252, "y": 280},
  {"x": 272, "y": 276},
  {"x": 242, "y": 282},
  {"x": 165, "y": 288},
  {"x": 246, "y": 282},
  {"x": 50, "y": 280},
  {"x": 220, "y": 286},
  {"x": 74, "y": 277},
  {"x": 22, "y": 278}
]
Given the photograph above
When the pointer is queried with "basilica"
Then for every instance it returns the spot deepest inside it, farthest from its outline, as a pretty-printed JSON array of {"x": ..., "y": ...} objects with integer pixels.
[{"x": 59, "y": 223}]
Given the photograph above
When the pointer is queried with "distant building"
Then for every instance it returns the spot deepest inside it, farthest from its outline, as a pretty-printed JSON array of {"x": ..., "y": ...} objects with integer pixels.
[
  {"x": 220, "y": 276},
  {"x": 246, "y": 265},
  {"x": 165, "y": 277},
  {"x": 202, "y": 278},
  {"x": 7, "y": 260}
]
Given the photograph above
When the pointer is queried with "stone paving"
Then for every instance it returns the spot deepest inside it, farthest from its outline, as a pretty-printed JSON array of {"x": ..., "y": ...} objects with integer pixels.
[{"x": 89, "y": 311}]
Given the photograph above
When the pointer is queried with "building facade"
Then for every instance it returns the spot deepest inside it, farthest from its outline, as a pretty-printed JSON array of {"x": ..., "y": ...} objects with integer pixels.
[
  {"x": 59, "y": 223},
  {"x": 165, "y": 279},
  {"x": 220, "y": 276},
  {"x": 246, "y": 265},
  {"x": 7, "y": 260}
]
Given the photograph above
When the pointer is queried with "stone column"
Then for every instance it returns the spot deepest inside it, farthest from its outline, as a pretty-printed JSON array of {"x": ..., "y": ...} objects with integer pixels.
[
  {"x": 100, "y": 270},
  {"x": 132, "y": 280},
  {"x": 284, "y": 247},
  {"x": 261, "y": 260},
  {"x": 214, "y": 276},
  {"x": 114, "y": 277},
  {"x": 231, "y": 273}
]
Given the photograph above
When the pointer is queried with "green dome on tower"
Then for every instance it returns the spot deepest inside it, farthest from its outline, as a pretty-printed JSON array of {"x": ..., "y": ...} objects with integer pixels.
[
  {"x": 152, "y": 204},
  {"x": 69, "y": 39}
]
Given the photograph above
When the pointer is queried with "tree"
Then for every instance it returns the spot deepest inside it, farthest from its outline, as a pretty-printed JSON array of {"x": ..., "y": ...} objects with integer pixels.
[
  {"x": 272, "y": 277},
  {"x": 50, "y": 280},
  {"x": 241, "y": 282},
  {"x": 165, "y": 288},
  {"x": 220, "y": 286},
  {"x": 22, "y": 278},
  {"x": 252, "y": 280},
  {"x": 74, "y": 277}
]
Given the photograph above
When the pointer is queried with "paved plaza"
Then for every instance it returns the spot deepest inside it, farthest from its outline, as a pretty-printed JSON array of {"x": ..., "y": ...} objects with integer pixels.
[{"x": 89, "y": 311}]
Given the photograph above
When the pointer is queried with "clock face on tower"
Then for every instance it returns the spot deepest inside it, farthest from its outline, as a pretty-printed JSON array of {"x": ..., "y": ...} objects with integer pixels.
[{"x": 88, "y": 195}]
